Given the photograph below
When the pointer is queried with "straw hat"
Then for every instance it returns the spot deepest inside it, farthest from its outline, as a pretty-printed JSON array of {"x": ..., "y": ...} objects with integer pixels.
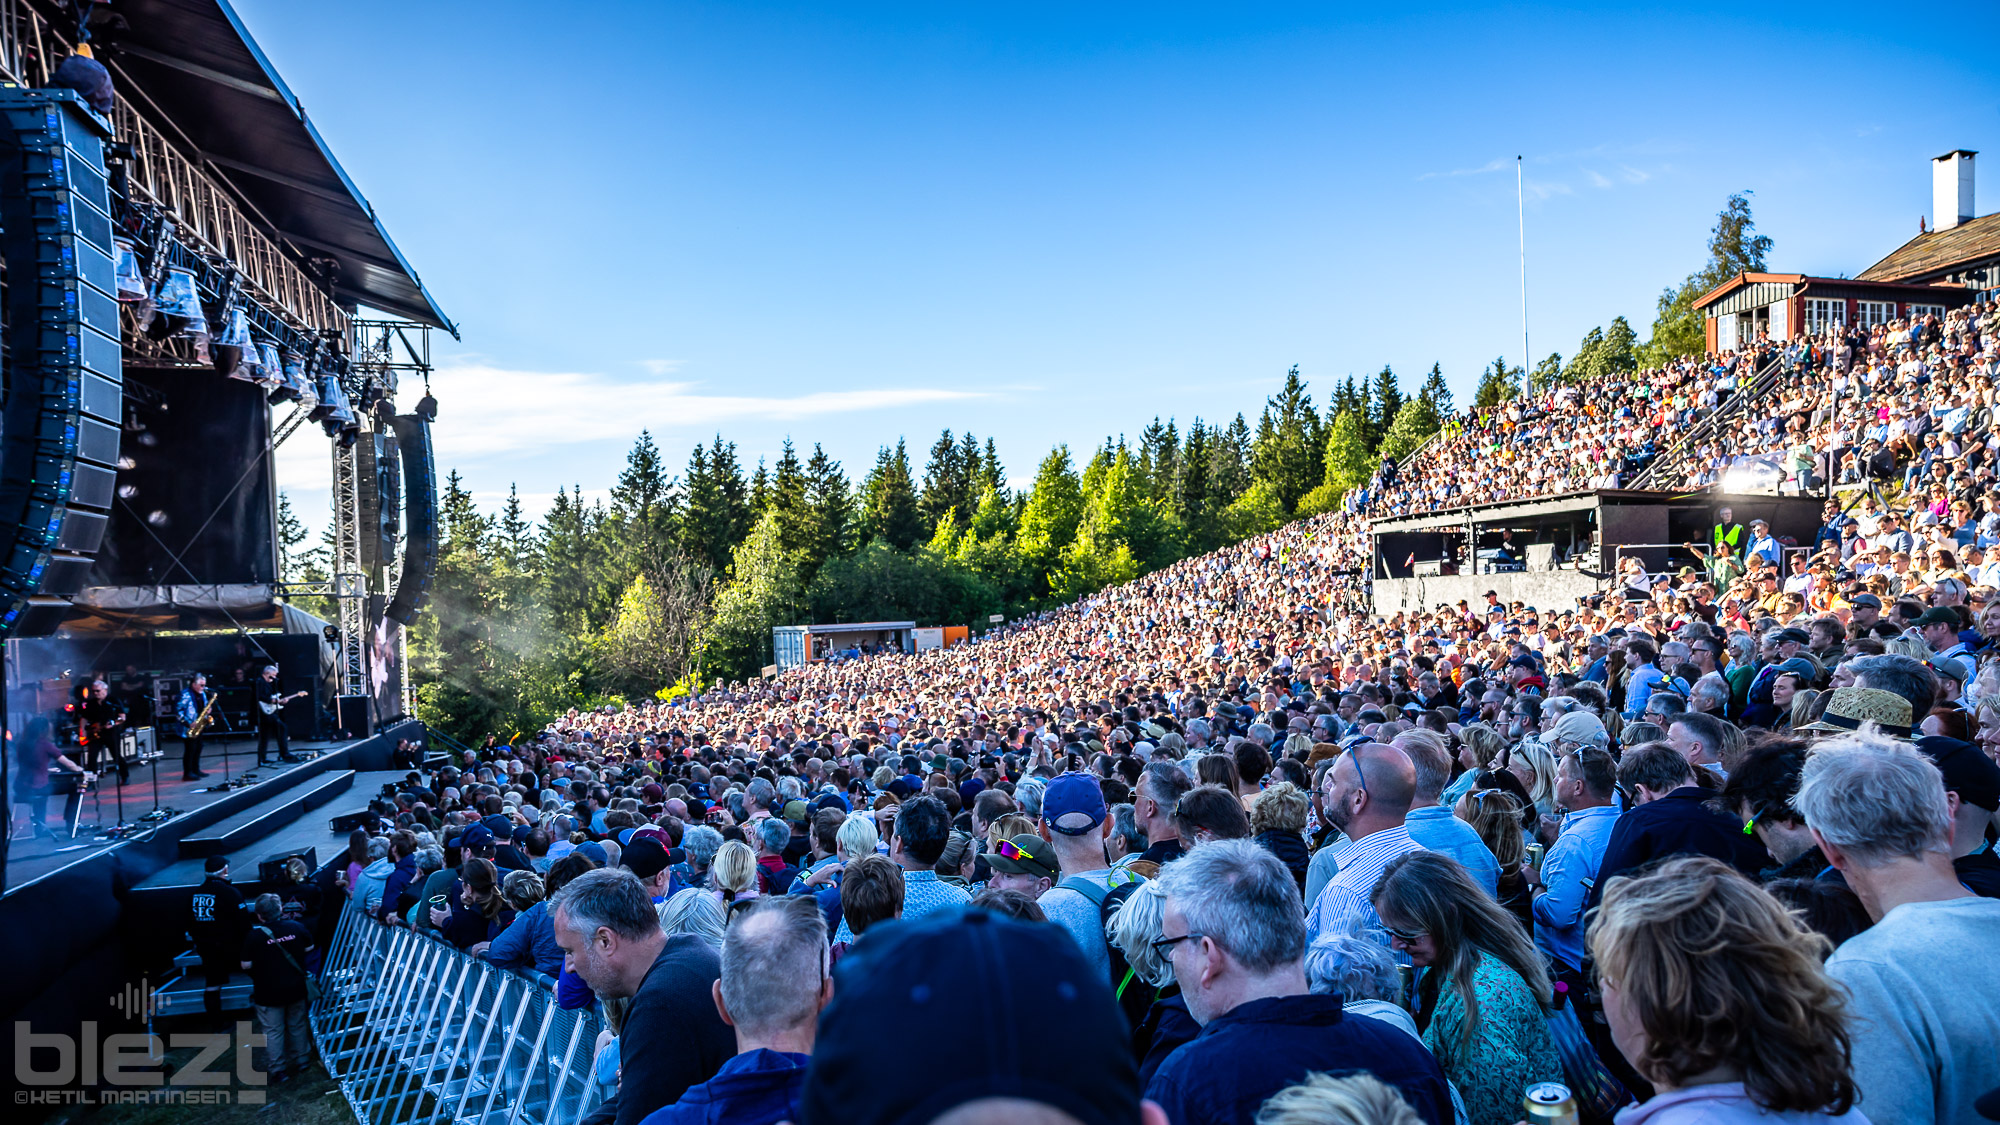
[{"x": 1850, "y": 707}]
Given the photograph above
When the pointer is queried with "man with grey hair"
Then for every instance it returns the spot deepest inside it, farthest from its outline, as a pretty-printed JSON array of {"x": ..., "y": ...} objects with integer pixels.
[
  {"x": 1924, "y": 1027},
  {"x": 758, "y": 798},
  {"x": 774, "y": 983},
  {"x": 672, "y": 1038},
  {"x": 1262, "y": 734},
  {"x": 1161, "y": 786},
  {"x": 1430, "y": 823},
  {"x": 1232, "y": 931},
  {"x": 1360, "y": 970}
]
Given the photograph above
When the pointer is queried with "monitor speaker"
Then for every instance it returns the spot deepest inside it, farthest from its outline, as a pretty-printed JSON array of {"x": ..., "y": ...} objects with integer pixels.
[
  {"x": 64, "y": 406},
  {"x": 352, "y": 711},
  {"x": 271, "y": 869},
  {"x": 420, "y": 539}
]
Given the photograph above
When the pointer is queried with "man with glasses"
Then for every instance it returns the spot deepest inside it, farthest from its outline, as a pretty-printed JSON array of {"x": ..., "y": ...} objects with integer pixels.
[
  {"x": 774, "y": 983},
  {"x": 1367, "y": 794},
  {"x": 1231, "y": 931}
]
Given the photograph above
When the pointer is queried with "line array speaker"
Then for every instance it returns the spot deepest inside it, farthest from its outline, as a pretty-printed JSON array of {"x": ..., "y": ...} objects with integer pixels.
[
  {"x": 420, "y": 541},
  {"x": 65, "y": 392},
  {"x": 381, "y": 487}
]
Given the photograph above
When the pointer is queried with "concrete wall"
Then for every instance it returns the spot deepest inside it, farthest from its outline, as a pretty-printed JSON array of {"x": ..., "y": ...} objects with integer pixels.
[{"x": 1548, "y": 591}]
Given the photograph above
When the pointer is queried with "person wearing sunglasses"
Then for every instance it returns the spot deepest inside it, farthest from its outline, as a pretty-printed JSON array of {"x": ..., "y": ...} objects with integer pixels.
[
  {"x": 1367, "y": 795},
  {"x": 1026, "y": 863},
  {"x": 1484, "y": 987}
]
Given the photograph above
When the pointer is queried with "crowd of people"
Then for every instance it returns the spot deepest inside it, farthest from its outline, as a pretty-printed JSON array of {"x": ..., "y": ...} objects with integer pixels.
[{"x": 1219, "y": 845}]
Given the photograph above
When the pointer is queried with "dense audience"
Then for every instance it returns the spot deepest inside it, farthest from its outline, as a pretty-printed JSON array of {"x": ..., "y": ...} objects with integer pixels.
[{"x": 1220, "y": 846}]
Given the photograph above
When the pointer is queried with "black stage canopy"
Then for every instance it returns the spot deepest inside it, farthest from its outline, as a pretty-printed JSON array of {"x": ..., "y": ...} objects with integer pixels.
[{"x": 191, "y": 66}]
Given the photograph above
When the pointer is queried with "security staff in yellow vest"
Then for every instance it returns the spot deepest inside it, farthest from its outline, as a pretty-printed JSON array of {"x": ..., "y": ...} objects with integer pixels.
[{"x": 1728, "y": 534}]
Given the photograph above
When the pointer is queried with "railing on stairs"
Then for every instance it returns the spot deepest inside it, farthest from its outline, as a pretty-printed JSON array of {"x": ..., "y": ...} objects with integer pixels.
[{"x": 1676, "y": 457}]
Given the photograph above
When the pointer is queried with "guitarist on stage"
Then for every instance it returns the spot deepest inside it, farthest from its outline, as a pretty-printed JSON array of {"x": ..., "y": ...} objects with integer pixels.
[
  {"x": 99, "y": 724},
  {"x": 195, "y": 699},
  {"x": 270, "y": 716}
]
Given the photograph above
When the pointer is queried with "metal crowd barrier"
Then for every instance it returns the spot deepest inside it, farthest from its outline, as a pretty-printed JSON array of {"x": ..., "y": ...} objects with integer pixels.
[{"x": 418, "y": 1033}]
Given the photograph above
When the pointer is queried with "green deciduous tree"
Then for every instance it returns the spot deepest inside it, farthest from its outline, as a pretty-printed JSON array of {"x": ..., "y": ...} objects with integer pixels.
[{"x": 1733, "y": 247}]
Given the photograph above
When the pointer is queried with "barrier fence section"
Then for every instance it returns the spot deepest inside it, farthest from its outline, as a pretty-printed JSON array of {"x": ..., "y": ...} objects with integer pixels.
[{"x": 415, "y": 1031}]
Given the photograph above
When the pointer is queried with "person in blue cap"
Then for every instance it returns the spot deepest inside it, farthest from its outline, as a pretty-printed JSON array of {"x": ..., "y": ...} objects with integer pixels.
[{"x": 1075, "y": 823}]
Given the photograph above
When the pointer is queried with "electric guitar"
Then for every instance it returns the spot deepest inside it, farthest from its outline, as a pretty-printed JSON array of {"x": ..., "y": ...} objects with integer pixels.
[{"x": 277, "y": 703}]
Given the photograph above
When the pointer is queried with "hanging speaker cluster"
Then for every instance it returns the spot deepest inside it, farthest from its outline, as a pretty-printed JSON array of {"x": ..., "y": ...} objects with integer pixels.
[
  {"x": 420, "y": 538},
  {"x": 64, "y": 385}
]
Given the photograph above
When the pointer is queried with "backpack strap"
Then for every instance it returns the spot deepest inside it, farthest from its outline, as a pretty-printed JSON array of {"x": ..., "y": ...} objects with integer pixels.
[
  {"x": 271, "y": 939},
  {"x": 1087, "y": 889}
]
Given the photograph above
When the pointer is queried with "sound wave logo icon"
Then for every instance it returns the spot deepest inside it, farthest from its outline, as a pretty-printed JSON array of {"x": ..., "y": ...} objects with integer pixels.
[{"x": 135, "y": 1001}]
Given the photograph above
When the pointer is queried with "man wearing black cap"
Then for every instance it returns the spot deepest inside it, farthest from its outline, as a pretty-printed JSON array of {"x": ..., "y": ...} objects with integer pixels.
[
  {"x": 1026, "y": 863},
  {"x": 1233, "y": 930},
  {"x": 216, "y": 924},
  {"x": 1055, "y": 1048},
  {"x": 673, "y": 1037}
]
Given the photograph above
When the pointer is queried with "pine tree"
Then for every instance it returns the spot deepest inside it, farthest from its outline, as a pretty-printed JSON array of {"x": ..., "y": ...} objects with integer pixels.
[
  {"x": 1388, "y": 402},
  {"x": 568, "y": 571},
  {"x": 1287, "y": 453},
  {"x": 890, "y": 500},
  {"x": 1436, "y": 392},
  {"x": 1190, "y": 502},
  {"x": 830, "y": 502},
  {"x": 1498, "y": 383},
  {"x": 788, "y": 501},
  {"x": 760, "y": 491},
  {"x": 516, "y": 534},
  {"x": 1229, "y": 463},
  {"x": 291, "y": 534},
  {"x": 992, "y": 475},
  {"x": 945, "y": 479}
]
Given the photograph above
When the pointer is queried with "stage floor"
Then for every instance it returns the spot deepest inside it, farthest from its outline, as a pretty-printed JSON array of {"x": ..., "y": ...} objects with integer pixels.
[
  {"x": 312, "y": 830},
  {"x": 31, "y": 857}
]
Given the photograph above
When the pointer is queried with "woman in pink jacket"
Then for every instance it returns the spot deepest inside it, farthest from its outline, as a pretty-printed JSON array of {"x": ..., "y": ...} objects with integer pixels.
[{"x": 1716, "y": 995}]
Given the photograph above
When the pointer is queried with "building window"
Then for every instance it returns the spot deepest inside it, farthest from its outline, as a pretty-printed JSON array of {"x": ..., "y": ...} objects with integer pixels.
[
  {"x": 1824, "y": 312},
  {"x": 1872, "y": 313},
  {"x": 1927, "y": 310}
]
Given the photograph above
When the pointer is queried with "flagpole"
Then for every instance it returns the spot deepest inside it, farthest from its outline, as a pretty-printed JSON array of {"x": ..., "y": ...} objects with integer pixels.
[{"x": 1521, "y": 217}]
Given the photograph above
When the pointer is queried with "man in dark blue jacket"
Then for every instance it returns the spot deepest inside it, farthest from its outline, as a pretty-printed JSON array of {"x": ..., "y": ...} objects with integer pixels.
[
  {"x": 1234, "y": 932},
  {"x": 774, "y": 982},
  {"x": 1671, "y": 817}
]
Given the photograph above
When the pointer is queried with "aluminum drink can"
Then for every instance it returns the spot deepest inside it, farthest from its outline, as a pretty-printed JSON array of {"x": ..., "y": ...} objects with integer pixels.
[
  {"x": 1535, "y": 854},
  {"x": 1549, "y": 1103}
]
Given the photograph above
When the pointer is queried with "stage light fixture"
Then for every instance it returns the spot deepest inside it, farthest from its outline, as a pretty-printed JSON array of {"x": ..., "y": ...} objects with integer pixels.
[{"x": 427, "y": 408}]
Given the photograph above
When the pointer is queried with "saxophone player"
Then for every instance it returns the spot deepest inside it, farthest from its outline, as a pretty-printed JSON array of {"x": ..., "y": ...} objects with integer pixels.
[{"x": 192, "y": 711}]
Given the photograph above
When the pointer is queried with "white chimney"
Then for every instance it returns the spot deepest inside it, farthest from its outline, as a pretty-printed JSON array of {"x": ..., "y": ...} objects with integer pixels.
[{"x": 1951, "y": 189}]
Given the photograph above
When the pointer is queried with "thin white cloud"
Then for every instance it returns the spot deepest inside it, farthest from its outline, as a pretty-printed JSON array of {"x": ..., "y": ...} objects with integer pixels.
[
  {"x": 486, "y": 411},
  {"x": 662, "y": 366},
  {"x": 1493, "y": 165},
  {"x": 1597, "y": 179}
]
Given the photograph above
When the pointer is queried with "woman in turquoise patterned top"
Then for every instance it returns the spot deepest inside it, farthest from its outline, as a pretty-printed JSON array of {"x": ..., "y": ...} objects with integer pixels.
[{"x": 1485, "y": 990}]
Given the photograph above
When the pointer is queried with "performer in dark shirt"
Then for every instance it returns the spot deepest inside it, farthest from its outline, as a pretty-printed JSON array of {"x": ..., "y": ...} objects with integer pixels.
[
  {"x": 101, "y": 725},
  {"x": 41, "y": 771},
  {"x": 270, "y": 716}
]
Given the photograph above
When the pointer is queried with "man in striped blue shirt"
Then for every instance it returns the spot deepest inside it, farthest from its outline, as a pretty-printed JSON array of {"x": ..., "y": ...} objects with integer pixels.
[{"x": 1367, "y": 795}]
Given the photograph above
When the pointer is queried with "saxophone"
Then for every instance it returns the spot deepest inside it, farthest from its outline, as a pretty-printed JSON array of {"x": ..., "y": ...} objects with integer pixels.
[{"x": 202, "y": 720}]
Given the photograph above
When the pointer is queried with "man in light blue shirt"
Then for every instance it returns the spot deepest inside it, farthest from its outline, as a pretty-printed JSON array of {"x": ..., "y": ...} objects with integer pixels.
[
  {"x": 1640, "y": 653},
  {"x": 1433, "y": 825},
  {"x": 1763, "y": 543},
  {"x": 1586, "y": 784}
]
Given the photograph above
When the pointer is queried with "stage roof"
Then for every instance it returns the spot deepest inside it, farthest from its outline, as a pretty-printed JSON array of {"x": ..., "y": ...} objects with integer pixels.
[
  {"x": 192, "y": 67},
  {"x": 1561, "y": 504}
]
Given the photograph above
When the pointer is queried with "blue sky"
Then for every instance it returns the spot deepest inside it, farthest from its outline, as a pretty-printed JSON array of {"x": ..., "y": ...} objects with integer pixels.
[{"x": 1047, "y": 223}]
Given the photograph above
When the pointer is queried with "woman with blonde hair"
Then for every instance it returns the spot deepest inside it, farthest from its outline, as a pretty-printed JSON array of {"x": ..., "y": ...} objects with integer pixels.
[
  {"x": 1485, "y": 989},
  {"x": 734, "y": 875},
  {"x": 1478, "y": 744},
  {"x": 1164, "y": 1023},
  {"x": 1495, "y": 813},
  {"x": 694, "y": 911},
  {"x": 1759, "y": 1030},
  {"x": 1278, "y": 823}
]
